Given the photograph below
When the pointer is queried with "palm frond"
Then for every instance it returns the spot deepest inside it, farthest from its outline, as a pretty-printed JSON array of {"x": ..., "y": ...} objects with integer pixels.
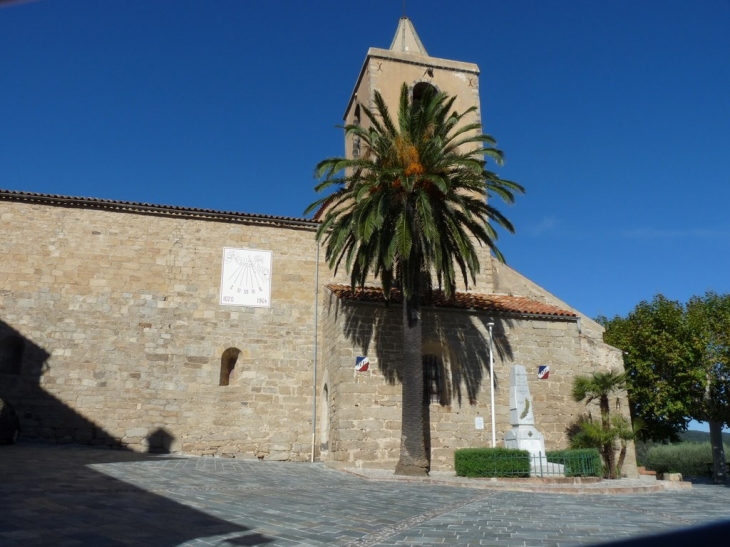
[{"x": 415, "y": 202}]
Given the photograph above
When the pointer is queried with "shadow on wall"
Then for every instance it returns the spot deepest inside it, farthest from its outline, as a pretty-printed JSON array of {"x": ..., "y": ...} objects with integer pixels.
[
  {"x": 160, "y": 441},
  {"x": 69, "y": 485},
  {"x": 42, "y": 415},
  {"x": 462, "y": 340},
  {"x": 22, "y": 365}
]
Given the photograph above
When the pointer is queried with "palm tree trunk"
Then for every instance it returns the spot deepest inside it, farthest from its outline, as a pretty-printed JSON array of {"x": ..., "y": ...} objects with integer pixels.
[
  {"x": 413, "y": 459},
  {"x": 621, "y": 458},
  {"x": 605, "y": 412},
  {"x": 608, "y": 458},
  {"x": 609, "y": 454}
]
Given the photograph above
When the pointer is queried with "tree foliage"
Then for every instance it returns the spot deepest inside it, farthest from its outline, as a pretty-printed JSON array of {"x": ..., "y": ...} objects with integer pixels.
[
  {"x": 658, "y": 362},
  {"x": 416, "y": 199},
  {"x": 413, "y": 203},
  {"x": 677, "y": 358}
]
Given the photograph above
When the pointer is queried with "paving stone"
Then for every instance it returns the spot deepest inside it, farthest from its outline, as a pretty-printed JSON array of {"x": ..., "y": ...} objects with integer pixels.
[{"x": 70, "y": 495}]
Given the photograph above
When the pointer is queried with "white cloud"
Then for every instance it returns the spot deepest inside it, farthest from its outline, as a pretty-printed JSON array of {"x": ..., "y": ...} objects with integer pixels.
[{"x": 547, "y": 224}]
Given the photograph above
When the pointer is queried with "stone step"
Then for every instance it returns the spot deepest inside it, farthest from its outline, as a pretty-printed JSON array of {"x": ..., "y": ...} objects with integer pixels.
[{"x": 646, "y": 475}]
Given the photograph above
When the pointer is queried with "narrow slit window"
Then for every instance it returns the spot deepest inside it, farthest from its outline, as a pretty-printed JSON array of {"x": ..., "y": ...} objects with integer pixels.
[
  {"x": 228, "y": 366},
  {"x": 432, "y": 376}
]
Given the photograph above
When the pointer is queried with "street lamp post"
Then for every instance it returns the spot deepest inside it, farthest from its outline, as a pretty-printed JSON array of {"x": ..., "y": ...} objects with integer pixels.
[{"x": 491, "y": 381}]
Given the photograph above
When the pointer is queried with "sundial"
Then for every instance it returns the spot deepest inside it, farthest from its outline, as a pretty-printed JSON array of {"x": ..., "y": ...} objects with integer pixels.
[{"x": 246, "y": 278}]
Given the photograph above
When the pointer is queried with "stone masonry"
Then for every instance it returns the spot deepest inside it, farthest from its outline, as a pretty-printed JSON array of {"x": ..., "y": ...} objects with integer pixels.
[
  {"x": 126, "y": 308},
  {"x": 124, "y": 341},
  {"x": 364, "y": 411}
]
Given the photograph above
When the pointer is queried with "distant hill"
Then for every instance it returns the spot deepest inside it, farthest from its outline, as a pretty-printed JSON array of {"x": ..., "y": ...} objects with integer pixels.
[{"x": 701, "y": 437}]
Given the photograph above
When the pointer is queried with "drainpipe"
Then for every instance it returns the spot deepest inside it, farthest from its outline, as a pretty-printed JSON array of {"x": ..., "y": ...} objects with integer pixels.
[
  {"x": 491, "y": 382},
  {"x": 314, "y": 381}
]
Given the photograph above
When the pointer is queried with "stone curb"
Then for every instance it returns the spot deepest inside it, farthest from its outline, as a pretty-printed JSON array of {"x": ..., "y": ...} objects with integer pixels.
[{"x": 603, "y": 487}]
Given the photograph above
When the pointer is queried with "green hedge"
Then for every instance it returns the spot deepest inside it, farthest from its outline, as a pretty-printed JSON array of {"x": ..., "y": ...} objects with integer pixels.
[
  {"x": 582, "y": 462},
  {"x": 492, "y": 462},
  {"x": 690, "y": 459}
]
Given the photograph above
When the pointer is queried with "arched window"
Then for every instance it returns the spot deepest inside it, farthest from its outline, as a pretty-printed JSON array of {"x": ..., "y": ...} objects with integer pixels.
[
  {"x": 433, "y": 379},
  {"x": 324, "y": 431},
  {"x": 420, "y": 90},
  {"x": 228, "y": 364},
  {"x": 356, "y": 120},
  {"x": 11, "y": 354}
]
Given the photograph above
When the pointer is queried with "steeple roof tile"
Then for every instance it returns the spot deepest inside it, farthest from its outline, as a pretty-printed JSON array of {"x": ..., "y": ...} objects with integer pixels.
[{"x": 406, "y": 40}]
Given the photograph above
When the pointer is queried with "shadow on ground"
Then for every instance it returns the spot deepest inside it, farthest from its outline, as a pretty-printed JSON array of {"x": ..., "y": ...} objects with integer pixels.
[
  {"x": 706, "y": 481},
  {"x": 70, "y": 502}
]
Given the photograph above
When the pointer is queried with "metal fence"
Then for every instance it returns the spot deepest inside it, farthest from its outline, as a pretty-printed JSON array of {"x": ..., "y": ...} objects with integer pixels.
[
  {"x": 537, "y": 465},
  {"x": 565, "y": 464}
]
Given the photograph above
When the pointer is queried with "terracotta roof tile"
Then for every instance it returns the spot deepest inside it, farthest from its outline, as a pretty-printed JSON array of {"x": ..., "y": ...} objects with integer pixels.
[{"x": 497, "y": 303}]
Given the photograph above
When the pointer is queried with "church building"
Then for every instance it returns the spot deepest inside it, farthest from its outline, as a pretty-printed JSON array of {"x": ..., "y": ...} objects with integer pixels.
[{"x": 180, "y": 330}]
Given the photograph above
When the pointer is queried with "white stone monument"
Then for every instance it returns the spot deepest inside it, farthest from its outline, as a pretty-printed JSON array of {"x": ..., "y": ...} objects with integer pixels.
[{"x": 523, "y": 434}]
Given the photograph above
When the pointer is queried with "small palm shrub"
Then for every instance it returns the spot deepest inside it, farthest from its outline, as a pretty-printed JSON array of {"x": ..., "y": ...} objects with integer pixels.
[
  {"x": 603, "y": 434},
  {"x": 690, "y": 459},
  {"x": 492, "y": 462}
]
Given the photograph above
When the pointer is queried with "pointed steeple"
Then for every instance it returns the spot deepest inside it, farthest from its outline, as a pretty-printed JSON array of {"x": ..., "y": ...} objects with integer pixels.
[{"x": 406, "y": 40}]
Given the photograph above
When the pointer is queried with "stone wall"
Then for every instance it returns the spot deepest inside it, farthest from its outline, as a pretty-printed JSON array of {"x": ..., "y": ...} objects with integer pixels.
[
  {"x": 365, "y": 412},
  {"x": 123, "y": 332},
  {"x": 123, "y": 340}
]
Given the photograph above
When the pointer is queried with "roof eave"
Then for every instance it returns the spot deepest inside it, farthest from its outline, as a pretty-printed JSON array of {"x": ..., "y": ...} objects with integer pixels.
[{"x": 152, "y": 209}]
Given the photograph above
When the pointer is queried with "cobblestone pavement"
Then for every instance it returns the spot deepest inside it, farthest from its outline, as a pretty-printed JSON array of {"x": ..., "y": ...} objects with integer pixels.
[{"x": 78, "y": 496}]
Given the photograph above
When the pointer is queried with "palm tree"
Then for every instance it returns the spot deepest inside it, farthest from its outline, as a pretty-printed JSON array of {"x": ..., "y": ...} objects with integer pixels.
[
  {"x": 600, "y": 386},
  {"x": 412, "y": 205},
  {"x": 625, "y": 431}
]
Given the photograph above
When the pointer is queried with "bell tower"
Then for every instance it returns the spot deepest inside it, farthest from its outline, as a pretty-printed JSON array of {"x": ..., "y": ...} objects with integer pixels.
[
  {"x": 385, "y": 71},
  {"x": 407, "y": 60}
]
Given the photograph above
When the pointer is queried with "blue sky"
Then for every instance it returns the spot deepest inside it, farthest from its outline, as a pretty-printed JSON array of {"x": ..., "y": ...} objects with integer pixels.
[{"x": 614, "y": 115}]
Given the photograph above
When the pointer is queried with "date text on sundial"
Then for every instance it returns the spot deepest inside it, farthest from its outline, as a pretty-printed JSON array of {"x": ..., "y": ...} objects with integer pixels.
[{"x": 246, "y": 278}]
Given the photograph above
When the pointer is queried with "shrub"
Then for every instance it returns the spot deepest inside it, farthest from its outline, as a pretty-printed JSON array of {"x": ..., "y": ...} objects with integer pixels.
[
  {"x": 690, "y": 459},
  {"x": 581, "y": 462},
  {"x": 492, "y": 462},
  {"x": 642, "y": 451}
]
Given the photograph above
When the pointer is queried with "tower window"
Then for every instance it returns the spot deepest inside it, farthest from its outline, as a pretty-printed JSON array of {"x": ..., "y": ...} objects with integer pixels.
[
  {"x": 324, "y": 433},
  {"x": 421, "y": 90}
]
